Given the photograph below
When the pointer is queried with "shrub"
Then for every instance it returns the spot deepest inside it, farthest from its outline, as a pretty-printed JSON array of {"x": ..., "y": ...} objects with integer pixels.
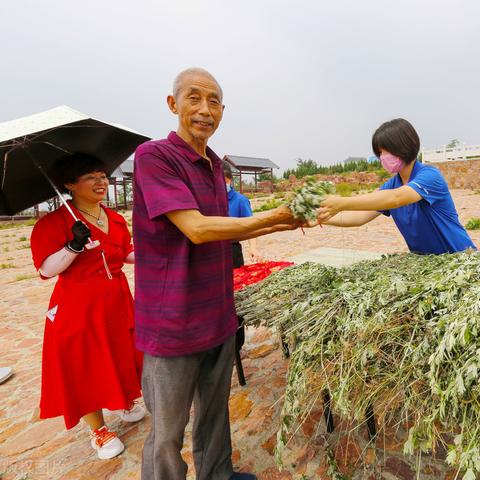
[
  {"x": 346, "y": 189},
  {"x": 19, "y": 278},
  {"x": 473, "y": 224},
  {"x": 26, "y": 223},
  {"x": 310, "y": 167},
  {"x": 268, "y": 205}
]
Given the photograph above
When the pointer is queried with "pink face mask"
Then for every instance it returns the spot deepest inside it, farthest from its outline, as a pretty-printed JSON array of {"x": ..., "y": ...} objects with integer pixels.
[{"x": 391, "y": 163}]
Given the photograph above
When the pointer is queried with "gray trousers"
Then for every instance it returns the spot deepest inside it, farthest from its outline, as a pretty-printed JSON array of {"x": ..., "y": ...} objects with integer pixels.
[{"x": 169, "y": 386}]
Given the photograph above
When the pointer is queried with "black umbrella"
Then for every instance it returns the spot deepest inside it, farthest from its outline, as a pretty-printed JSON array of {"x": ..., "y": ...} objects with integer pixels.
[{"x": 30, "y": 146}]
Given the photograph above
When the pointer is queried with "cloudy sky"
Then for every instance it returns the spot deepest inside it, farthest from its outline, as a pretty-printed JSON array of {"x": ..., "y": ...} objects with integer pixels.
[{"x": 310, "y": 79}]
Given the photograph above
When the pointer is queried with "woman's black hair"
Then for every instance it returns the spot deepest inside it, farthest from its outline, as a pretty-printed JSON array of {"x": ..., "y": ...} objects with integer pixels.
[
  {"x": 69, "y": 168},
  {"x": 397, "y": 137}
]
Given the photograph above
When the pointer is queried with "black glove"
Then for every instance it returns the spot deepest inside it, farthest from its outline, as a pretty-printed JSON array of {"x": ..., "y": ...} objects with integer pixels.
[{"x": 81, "y": 233}]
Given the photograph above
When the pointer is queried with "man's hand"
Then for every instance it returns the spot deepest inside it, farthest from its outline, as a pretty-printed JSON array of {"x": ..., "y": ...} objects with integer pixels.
[
  {"x": 200, "y": 228},
  {"x": 284, "y": 215}
]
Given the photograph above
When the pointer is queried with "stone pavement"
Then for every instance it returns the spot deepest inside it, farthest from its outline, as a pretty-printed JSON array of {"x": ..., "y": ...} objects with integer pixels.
[
  {"x": 42, "y": 449},
  {"x": 335, "y": 257}
]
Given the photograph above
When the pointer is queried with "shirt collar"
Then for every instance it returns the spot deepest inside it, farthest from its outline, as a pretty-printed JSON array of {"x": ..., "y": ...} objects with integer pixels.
[
  {"x": 231, "y": 193},
  {"x": 416, "y": 167},
  {"x": 190, "y": 153}
]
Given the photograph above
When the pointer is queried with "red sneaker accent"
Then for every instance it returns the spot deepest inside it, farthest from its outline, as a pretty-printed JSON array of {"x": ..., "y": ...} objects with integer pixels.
[{"x": 103, "y": 435}]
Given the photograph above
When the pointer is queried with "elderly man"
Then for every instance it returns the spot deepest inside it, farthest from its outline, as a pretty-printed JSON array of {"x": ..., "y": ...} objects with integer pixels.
[{"x": 185, "y": 317}]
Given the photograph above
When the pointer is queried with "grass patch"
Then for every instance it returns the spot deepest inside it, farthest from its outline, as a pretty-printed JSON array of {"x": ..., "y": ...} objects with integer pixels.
[
  {"x": 22, "y": 239},
  {"x": 473, "y": 224},
  {"x": 269, "y": 205},
  {"x": 23, "y": 247},
  {"x": 19, "y": 278},
  {"x": 255, "y": 194},
  {"x": 25, "y": 223},
  {"x": 383, "y": 174},
  {"x": 346, "y": 189},
  {"x": 4, "y": 266}
]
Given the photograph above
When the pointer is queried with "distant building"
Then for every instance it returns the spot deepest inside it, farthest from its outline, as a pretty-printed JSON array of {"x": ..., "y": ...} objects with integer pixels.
[
  {"x": 250, "y": 166},
  {"x": 120, "y": 193},
  {"x": 124, "y": 170},
  {"x": 448, "y": 154}
]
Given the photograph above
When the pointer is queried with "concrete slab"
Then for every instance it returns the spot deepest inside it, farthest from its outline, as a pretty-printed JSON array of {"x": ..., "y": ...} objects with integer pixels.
[{"x": 335, "y": 257}]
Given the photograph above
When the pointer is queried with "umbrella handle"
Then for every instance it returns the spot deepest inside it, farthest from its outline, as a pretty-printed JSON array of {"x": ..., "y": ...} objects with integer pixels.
[{"x": 92, "y": 244}]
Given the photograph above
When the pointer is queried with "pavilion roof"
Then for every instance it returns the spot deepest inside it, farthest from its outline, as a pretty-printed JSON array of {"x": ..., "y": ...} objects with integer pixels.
[{"x": 250, "y": 163}]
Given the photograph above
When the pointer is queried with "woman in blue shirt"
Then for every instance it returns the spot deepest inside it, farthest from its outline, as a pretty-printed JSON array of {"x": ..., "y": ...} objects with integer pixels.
[{"x": 416, "y": 197}]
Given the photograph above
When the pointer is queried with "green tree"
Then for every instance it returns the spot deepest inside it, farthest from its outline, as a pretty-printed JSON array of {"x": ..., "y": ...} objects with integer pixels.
[
  {"x": 453, "y": 143},
  {"x": 310, "y": 167},
  {"x": 303, "y": 168},
  {"x": 262, "y": 177}
]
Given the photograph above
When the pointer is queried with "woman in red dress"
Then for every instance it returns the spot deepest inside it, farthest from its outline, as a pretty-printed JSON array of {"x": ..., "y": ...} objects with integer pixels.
[{"x": 89, "y": 358}]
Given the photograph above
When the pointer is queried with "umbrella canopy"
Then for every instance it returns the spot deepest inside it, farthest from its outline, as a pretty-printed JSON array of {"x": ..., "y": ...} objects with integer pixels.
[{"x": 39, "y": 140}]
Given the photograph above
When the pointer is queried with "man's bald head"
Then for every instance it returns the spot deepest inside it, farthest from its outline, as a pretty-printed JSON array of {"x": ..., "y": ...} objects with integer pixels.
[{"x": 193, "y": 72}]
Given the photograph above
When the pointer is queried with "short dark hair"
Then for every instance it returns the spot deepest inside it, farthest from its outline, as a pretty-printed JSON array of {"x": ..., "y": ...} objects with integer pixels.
[
  {"x": 227, "y": 170},
  {"x": 69, "y": 168},
  {"x": 397, "y": 137}
]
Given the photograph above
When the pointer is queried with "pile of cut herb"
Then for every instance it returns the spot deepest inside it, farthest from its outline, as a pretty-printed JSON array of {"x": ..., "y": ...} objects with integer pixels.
[
  {"x": 308, "y": 199},
  {"x": 401, "y": 333}
]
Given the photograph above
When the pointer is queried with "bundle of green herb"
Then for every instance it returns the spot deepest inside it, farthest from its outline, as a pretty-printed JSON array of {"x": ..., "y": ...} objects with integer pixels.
[
  {"x": 308, "y": 198},
  {"x": 401, "y": 333}
]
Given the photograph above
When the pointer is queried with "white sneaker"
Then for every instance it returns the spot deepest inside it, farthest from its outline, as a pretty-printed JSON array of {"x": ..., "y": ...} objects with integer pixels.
[
  {"x": 106, "y": 443},
  {"x": 5, "y": 373},
  {"x": 136, "y": 413}
]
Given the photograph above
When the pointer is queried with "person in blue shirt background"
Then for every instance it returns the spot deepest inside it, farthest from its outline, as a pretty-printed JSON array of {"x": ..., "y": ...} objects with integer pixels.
[
  {"x": 239, "y": 206},
  {"x": 416, "y": 197}
]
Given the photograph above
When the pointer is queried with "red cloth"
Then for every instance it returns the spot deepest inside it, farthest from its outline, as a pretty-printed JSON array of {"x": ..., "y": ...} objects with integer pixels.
[
  {"x": 250, "y": 274},
  {"x": 89, "y": 359}
]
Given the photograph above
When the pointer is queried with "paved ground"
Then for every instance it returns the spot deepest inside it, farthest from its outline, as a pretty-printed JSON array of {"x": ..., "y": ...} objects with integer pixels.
[
  {"x": 335, "y": 257},
  {"x": 34, "y": 449}
]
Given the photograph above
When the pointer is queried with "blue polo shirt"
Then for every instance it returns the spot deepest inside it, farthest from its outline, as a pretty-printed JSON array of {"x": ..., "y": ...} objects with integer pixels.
[
  {"x": 431, "y": 225},
  {"x": 238, "y": 204}
]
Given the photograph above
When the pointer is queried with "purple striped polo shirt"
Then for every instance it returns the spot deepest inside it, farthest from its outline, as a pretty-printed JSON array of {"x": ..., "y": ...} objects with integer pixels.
[{"x": 183, "y": 292}]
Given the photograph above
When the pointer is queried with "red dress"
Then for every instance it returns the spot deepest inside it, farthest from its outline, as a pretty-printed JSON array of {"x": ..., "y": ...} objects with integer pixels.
[{"x": 89, "y": 359}]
